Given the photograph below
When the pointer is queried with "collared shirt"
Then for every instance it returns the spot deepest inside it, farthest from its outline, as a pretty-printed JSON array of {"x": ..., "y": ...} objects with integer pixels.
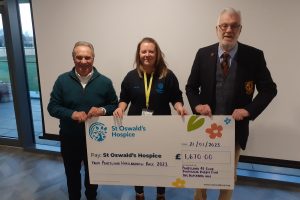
[
  {"x": 232, "y": 53},
  {"x": 84, "y": 79}
]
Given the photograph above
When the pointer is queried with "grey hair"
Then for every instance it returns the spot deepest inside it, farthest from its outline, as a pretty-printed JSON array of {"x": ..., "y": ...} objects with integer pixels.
[
  {"x": 230, "y": 11},
  {"x": 83, "y": 43}
]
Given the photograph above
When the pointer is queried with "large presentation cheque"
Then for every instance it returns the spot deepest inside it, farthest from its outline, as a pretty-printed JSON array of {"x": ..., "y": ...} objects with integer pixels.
[{"x": 170, "y": 151}]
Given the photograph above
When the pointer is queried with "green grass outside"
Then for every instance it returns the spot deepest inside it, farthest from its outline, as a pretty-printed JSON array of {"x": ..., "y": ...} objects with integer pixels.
[{"x": 32, "y": 75}]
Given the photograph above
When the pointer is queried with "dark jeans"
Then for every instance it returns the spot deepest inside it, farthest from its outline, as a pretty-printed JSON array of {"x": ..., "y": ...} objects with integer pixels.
[
  {"x": 140, "y": 190},
  {"x": 73, "y": 151}
]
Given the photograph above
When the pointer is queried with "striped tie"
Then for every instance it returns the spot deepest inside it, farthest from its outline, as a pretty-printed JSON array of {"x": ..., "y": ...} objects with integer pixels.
[{"x": 225, "y": 63}]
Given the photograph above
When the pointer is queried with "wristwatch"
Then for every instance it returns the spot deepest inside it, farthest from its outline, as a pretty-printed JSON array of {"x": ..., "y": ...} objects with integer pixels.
[{"x": 103, "y": 110}]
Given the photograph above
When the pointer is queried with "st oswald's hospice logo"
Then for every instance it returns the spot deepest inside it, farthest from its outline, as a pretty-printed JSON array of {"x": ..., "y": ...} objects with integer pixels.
[{"x": 98, "y": 131}]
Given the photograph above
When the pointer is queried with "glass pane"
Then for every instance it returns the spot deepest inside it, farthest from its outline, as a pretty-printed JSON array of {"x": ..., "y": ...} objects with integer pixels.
[
  {"x": 8, "y": 127},
  {"x": 31, "y": 66}
]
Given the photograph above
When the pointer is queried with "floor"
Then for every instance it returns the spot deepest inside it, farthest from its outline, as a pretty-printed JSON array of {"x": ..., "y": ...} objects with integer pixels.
[
  {"x": 8, "y": 127},
  {"x": 34, "y": 176}
]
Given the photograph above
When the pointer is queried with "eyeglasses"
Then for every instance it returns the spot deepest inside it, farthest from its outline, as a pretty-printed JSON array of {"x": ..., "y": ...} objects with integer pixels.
[
  {"x": 234, "y": 27},
  {"x": 88, "y": 58}
]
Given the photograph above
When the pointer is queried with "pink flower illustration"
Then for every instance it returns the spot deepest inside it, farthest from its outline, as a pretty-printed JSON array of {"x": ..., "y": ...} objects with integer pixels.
[{"x": 214, "y": 131}]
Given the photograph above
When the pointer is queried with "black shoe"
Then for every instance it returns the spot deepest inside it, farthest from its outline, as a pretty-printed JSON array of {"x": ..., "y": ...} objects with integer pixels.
[
  {"x": 140, "y": 196},
  {"x": 160, "y": 197}
]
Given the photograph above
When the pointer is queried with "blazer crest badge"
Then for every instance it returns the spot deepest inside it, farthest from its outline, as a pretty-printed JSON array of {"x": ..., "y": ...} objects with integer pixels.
[{"x": 249, "y": 87}]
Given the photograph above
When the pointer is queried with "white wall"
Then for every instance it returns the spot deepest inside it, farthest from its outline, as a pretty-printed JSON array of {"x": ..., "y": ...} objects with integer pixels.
[{"x": 180, "y": 27}]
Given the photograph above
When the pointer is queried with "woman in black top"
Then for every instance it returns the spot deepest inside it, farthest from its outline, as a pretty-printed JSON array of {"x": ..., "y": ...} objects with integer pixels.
[{"x": 150, "y": 88}]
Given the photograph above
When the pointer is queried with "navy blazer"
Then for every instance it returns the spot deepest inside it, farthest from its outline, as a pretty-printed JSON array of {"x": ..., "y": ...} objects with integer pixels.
[{"x": 252, "y": 73}]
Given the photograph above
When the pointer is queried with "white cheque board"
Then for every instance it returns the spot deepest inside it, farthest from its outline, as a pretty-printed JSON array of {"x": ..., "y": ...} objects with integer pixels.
[{"x": 169, "y": 151}]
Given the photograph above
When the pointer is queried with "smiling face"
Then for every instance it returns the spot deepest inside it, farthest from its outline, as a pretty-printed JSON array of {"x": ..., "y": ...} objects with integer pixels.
[
  {"x": 147, "y": 55},
  {"x": 83, "y": 60},
  {"x": 228, "y": 30}
]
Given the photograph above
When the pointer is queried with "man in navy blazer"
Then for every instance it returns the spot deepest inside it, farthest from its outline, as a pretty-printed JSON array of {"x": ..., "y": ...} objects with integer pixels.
[{"x": 210, "y": 92}]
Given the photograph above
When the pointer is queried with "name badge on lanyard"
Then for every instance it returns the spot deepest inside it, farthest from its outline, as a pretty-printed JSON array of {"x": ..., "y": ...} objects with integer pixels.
[{"x": 146, "y": 111}]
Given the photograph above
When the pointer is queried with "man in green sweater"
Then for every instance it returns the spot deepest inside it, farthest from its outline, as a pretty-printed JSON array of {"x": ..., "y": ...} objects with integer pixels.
[{"x": 77, "y": 95}]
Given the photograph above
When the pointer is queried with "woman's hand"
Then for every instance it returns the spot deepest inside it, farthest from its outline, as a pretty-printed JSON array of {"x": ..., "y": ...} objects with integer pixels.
[
  {"x": 118, "y": 113},
  {"x": 180, "y": 109}
]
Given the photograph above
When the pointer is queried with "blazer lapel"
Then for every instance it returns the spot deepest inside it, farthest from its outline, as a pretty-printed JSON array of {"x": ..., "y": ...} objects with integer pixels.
[{"x": 211, "y": 72}]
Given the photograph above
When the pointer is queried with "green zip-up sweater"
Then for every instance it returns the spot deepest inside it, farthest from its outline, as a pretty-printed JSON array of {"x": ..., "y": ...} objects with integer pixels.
[{"x": 68, "y": 96}]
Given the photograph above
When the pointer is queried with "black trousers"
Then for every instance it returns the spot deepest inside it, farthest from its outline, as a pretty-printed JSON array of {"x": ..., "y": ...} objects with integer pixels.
[
  {"x": 73, "y": 151},
  {"x": 140, "y": 190}
]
